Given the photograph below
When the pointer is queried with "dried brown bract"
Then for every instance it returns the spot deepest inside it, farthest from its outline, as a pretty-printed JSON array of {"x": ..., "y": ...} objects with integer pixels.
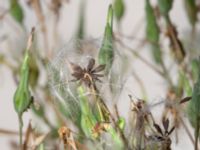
[
  {"x": 87, "y": 75},
  {"x": 65, "y": 135},
  {"x": 163, "y": 135},
  {"x": 33, "y": 139},
  {"x": 100, "y": 127},
  {"x": 141, "y": 119}
]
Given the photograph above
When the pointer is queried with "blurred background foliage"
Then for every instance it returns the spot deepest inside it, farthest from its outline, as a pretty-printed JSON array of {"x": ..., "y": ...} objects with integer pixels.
[{"x": 85, "y": 112}]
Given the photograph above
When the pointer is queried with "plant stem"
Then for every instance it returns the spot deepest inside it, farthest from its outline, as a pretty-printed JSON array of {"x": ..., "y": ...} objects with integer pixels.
[
  {"x": 103, "y": 106},
  {"x": 187, "y": 131},
  {"x": 140, "y": 83},
  {"x": 9, "y": 132},
  {"x": 197, "y": 133},
  {"x": 166, "y": 74},
  {"x": 20, "y": 129},
  {"x": 134, "y": 53}
]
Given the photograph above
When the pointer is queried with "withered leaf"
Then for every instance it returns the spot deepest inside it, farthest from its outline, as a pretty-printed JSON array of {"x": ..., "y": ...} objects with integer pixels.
[
  {"x": 157, "y": 127},
  {"x": 165, "y": 124},
  {"x": 172, "y": 129}
]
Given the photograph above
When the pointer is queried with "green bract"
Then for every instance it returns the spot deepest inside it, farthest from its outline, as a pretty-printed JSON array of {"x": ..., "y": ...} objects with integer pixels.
[
  {"x": 106, "y": 53},
  {"x": 119, "y": 9},
  {"x": 22, "y": 97},
  {"x": 16, "y": 11}
]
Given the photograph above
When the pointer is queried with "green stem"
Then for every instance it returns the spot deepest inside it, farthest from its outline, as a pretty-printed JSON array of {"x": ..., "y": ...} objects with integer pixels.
[
  {"x": 197, "y": 134},
  {"x": 116, "y": 138},
  {"x": 20, "y": 129}
]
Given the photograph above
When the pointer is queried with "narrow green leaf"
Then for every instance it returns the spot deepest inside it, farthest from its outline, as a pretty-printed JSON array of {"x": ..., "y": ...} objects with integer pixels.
[
  {"x": 152, "y": 32},
  {"x": 152, "y": 29},
  {"x": 81, "y": 32},
  {"x": 193, "y": 108},
  {"x": 106, "y": 53},
  {"x": 119, "y": 9},
  {"x": 192, "y": 10},
  {"x": 88, "y": 120},
  {"x": 16, "y": 11},
  {"x": 195, "y": 69}
]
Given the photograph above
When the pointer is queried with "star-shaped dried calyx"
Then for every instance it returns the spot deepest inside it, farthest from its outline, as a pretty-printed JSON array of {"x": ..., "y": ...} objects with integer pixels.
[
  {"x": 88, "y": 75},
  {"x": 163, "y": 135}
]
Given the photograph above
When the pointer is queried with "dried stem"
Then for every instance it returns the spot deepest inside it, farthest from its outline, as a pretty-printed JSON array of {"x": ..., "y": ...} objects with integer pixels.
[
  {"x": 9, "y": 132},
  {"x": 39, "y": 13}
]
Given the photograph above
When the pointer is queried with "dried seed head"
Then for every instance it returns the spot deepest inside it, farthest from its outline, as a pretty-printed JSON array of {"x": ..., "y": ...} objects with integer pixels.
[{"x": 88, "y": 75}]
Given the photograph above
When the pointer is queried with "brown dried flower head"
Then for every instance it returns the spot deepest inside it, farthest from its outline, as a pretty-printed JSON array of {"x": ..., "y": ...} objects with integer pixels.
[{"x": 88, "y": 75}]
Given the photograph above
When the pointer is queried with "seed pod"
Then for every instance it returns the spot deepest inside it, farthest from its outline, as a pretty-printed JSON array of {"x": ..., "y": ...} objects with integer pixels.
[
  {"x": 16, "y": 11},
  {"x": 22, "y": 97},
  {"x": 118, "y": 9},
  {"x": 152, "y": 32},
  {"x": 106, "y": 53}
]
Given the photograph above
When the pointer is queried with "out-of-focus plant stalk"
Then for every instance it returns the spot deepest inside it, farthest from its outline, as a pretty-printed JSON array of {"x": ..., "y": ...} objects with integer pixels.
[
  {"x": 36, "y": 4},
  {"x": 81, "y": 25}
]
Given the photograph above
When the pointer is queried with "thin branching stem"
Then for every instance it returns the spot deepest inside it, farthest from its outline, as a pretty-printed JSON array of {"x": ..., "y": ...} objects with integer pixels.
[
  {"x": 166, "y": 74},
  {"x": 197, "y": 133},
  {"x": 9, "y": 132},
  {"x": 187, "y": 131},
  {"x": 140, "y": 83},
  {"x": 39, "y": 13},
  {"x": 154, "y": 68}
]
